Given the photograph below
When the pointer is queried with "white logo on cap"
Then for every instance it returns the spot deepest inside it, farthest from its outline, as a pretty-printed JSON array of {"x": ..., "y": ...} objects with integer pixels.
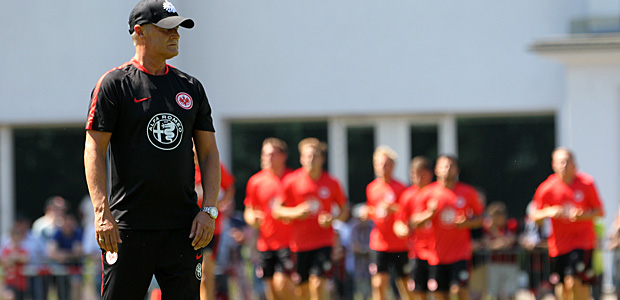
[{"x": 169, "y": 7}]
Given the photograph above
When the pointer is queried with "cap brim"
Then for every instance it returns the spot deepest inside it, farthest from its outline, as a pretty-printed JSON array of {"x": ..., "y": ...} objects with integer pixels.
[{"x": 174, "y": 21}]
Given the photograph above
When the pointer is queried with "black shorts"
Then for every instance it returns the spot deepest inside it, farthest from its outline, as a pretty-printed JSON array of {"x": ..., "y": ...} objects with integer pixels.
[
  {"x": 212, "y": 246},
  {"x": 167, "y": 254},
  {"x": 316, "y": 262},
  {"x": 420, "y": 274},
  {"x": 274, "y": 261},
  {"x": 382, "y": 262},
  {"x": 576, "y": 263},
  {"x": 442, "y": 277}
]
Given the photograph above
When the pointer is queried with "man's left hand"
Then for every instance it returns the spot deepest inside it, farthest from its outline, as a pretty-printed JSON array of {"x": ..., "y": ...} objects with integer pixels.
[{"x": 202, "y": 230}]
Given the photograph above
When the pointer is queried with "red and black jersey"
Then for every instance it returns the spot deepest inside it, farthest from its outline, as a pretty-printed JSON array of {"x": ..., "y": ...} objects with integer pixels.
[{"x": 152, "y": 119}]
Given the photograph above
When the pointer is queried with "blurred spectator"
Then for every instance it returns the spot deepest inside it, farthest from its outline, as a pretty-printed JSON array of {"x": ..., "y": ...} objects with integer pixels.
[
  {"x": 343, "y": 261},
  {"x": 360, "y": 237},
  {"x": 13, "y": 258},
  {"x": 36, "y": 258},
  {"x": 91, "y": 249},
  {"x": 229, "y": 270},
  {"x": 43, "y": 229},
  {"x": 533, "y": 239},
  {"x": 500, "y": 239},
  {"x": 65, "y": 248},
  {"x": 46, "y": 225},
  {"x": 614, "y": 245}
]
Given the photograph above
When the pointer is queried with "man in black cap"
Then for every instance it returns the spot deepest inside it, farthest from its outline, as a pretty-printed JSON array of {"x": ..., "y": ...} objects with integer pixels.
[{"x": 150, "y": 114}]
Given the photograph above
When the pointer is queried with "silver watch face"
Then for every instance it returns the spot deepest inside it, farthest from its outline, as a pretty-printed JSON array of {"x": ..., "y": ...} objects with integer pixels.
[{"x": 212, "y": 211}]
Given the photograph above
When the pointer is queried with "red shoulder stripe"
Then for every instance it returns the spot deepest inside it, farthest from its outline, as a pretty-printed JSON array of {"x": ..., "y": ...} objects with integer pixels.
[{"x": 93, "y": 101}]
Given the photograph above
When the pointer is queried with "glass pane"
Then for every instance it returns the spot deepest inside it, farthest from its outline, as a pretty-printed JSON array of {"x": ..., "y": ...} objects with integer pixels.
[
  {"x": 48, "y": 162},
  {"x": 360, "y": 147},
  {"x": 424, "y": 141},
  {"x": 507, "y": 158}
]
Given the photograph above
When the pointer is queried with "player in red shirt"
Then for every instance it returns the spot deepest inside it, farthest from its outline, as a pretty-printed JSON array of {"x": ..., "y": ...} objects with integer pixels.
[
  {"x": 225, "y": 200},
  {"x": 311, "y": 199},
  {"x": 452, "y": 208},
  {"x": 382, "y": 202},
  {"x": 421, "y": 175},
  {"x": 273, "y": 235},
  {"x": 570, "y": 199}
]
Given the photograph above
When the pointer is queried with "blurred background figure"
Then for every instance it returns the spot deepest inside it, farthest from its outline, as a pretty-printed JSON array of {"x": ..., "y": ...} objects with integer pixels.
[
  {"x": 570, "y": 199},
  {"x": 13, "y": 257},
  {"x": 46, "y": 225},
  {"x": 43, "y": 229},
  {"x": 274, "y": 255},
  {"x": 407, "y": 226},
  {"x": 65, "y": 249},
  {"x": 500, "y": 239},
  {"x": 360, "y": 239},
  {"x": 389, "y": 251},
  {"x": 92, "y": 253}
]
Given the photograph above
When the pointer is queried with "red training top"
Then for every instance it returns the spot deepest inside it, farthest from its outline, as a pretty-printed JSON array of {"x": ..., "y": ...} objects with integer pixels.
[
  {"x": 419, "y": 238},
  {"x": 261, "y": 191},
  {"x": 568, "y": 236},
  {"x": 379, "y": 195},
  {"x": 450, "y": 244},
  {"x": 321, "y": 195}
]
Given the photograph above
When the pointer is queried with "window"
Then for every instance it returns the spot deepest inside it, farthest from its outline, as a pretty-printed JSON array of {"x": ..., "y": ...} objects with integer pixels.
[
  {"x": 360, "y": 148},
  {"x": 507, "y": 158},
  {"x": 48, "y": 162}
]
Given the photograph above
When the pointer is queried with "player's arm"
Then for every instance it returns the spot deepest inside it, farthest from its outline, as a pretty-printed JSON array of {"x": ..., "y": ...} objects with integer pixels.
[
  {"x": 252, "y": 216},
  {"x": 470, "y": 223},
  {"x": 581, "y": 215},
  {"x": 208, "y": 158},
  {"x": 418, "y": 219},
  {"x": 546, "y": 212},
  {"x": 106, "y": 228},
  {"x": 285, "y": 213}
]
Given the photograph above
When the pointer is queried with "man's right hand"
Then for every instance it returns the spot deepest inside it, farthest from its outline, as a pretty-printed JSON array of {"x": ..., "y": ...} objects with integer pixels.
[{"x": 107, "y": 232}]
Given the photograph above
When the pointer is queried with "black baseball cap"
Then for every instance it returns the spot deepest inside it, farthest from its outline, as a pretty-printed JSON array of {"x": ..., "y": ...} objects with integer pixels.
[{"x": 160, "y": 13}]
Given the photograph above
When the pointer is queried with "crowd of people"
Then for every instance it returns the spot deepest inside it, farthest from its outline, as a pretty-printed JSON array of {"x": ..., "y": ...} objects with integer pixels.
[{"x": 297, "y": 237}]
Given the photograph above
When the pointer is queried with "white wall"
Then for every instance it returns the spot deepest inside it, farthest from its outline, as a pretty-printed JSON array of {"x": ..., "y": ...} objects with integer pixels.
[
  {"x": 312, "y": 58},
  {"x": 289, "y": 58}
]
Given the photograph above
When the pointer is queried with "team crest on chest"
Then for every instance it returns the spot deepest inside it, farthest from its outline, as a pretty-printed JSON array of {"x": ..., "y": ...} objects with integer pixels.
[
  {"x": 324, "y": 192},
  {"x": 184, "y": 100},
  {"x": 165, "y": 131},
  {"x": 578, "y": 196},
  {"x": 460, "y": 202}
]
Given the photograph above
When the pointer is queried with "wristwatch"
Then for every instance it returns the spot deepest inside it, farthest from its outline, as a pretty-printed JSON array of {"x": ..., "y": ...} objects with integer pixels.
[{"x": 211, "y": 211}]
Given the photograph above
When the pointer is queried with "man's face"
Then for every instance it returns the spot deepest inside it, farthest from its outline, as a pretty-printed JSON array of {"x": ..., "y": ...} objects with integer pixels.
[
  {"x": 382, "y": 165},
  {"x": 161, "y": 42},
  {"x": 446, "y": 169},
  {"x": 420, "y": 177},
  {"x": 272, "y": 157},
  {"x": 563, "y": 164},
  {"x": 310, "y": 157}
]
